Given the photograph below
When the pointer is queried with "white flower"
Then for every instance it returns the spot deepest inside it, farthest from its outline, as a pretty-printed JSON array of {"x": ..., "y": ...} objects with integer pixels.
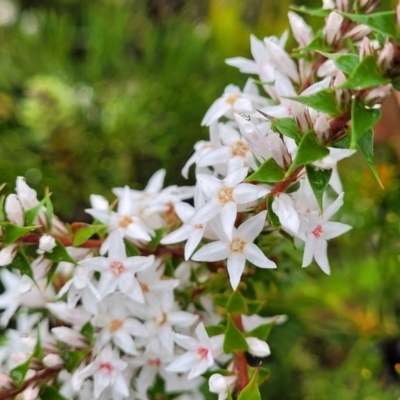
[
  {"x": 283, "y": 207},
  {"x": 221, "y": 385},
  {"x": 237, "y": 250},
  {"x": 7, "y": 254},
  {"x": 13, "y": 210},
  {"x": 46, "y": 244},
  {"x": 200, "y": 355}
]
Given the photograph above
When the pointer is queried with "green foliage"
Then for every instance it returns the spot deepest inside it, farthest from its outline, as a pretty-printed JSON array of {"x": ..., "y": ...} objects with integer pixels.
[
  {"x": 50, "y": 393},
  {"x": 85, "y": 233},
  {"x": 12, "y": 232},
  {"x": 236, "y": 304},
  {"x": 268, "y": 172},
  {"x": 319, "y": 180},
  {"x": 251, "y": 391},
  {"x": 59, "y": 253},
  {"x": 234, "y": 341},
  {"x": 323, "y": 101}
]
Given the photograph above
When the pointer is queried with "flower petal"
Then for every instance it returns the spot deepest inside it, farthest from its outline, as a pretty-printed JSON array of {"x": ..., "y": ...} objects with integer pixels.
[
  {"x": 214, "y": 251},
  {"x": 236, "y": 263},
  {"x": 251, "y": 228},
  {"x": 257, "y": 257}
]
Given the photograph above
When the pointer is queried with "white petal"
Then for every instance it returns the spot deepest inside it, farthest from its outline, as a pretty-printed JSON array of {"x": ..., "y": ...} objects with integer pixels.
[
  {"x": 184, "y": 211},
  {"x": 182, "y": 319},
  {"x": 215, "y": 157},
  {"x": 321, "y": 257},
  {"x": 193, "y": 241},
  {"x": 309, "y": 249},
  {"x": 257, "y": 257},
  {"x": 156, "y": 182},
  {"x": 251, "y": 228},
  {"x": 334, "y": 207},
  {"x": 214, "y": 251},
  {"x": 183, "y": 363},
  {"x": 125, "y": 342},
  {"x": 186, "y": 342},
  {"x": 245, "y": 65},
  {"x": 209, "y": 185},
  {"x": 228, "y": 217},
  {"x": 179, "y": 235},
  {"x": 117, "y": 247},
  {"x": 246, "y": 192},
  {"x": 334, "y": 229},
  {"x": 236, "y": 177},
  {"x": 236, "y": 263},
  {"x": 207, "y": 212}
]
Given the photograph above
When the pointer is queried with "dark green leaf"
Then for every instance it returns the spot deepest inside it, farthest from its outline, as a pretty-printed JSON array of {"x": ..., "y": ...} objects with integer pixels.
[
  {"x": 83, "y": 234},
  {"x": 22, "y": 264},
  {"x": 319, "y": 180},
  {"x": 13, "y": 232},
  {"x": 49, "y": 209},
  {"x": 19, "y": 372},
  {"x": 366, "y": 145},
  {"x": 381, "y": 22},
  {"x": 236, "y": 303},
  {"x": 362, "y": 120},
  {"x": 253, "y": 306},
  {"x": 308, "y": 151},
  {"x": 347, "y": 62},
  {"x": 288, "y": 127},
  {"x": 59, "y": 253},
  {"x": 261, "y": 332},
  {"x": 268, "y": 172},
  {"x": 365, "y": 75},
  {"x": 155, "y": 240},
  {"x": 272, "y": 217},
  {"x": 263, "y": 376},
  {"x": 87, "y": 331},
  {"x": 230, "y": 396},
  {"x": 2, "y": 215},
  {"x": 251, "y": 391},
  {"x": 234, "y": 340},
  {"x": 32, "y": 213},
  {"x": 214, "y": 330},
  {"x": 220, "y": 300},
  {"x": 72, "y": 358},
  {"x": 131, "y": 250},
  {"x": 38, "y": 350},
  {"x": 324, "y": 101},
  {"x": 316, "y": 12},
  {"x": 317, "y": 44},
  {"x": 50, "y": 393}
]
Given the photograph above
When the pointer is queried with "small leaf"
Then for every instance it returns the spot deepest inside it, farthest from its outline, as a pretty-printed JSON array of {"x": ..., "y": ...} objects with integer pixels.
[
  {"x": 22, "y": 264},
  {"x": 19, "y": 372},
  {"x": 38, "y": 350},
  {"x": 268, "y": 172},
  {"x": 381, "y": 22},
  {"x": 319, "y": 180},
  {"x": 59, "y": 253},
  {"x": 229, "y": 396},
  {"x": 2, "y": 215},
  {"x": 50, "y": 393},
  {"x": 365, "y": 75},
  {"x": 13, "y": 232},
  {"x": 236, "y": 303},
  {"x": 288, "y": 127},
  {"x": 263, "y": 376},
  {"x": 308, "y": 151},
  {"x": 214, "y": 330},
  {"x": 220, "y": 300},
  {"x": 366, "y": 145},
  {"x": 347, "y": 63},
  {"x": 251, "y": 391},
  {"x": 324, "y": 101},
  {"x": 272, "y": 217},
  {"x": 253, "y": 306},
  {"x": 363, "y": 119},
  {"x": 155, "y": 240},
  {"x": 316, "y": 12},
  {"x": 72, "y": 358},
  {"x": 88, "y": 331},
  {"x": 49, "y": 209},
  {"x": 83, "y": 234},
  {"x": 261, "y": 332},
  {"x": 131, "y": 250},
  {"x": 234, "y": 340},
  {"x": 32, "y": 213}
]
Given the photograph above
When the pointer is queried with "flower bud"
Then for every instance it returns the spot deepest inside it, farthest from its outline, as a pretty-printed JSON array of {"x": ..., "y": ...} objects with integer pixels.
[
  {"x": 377, "y": 95},
  {"x": 367, "y": 6},
  {"x": 31, "y": 392},
  {"x": 343, "y": 96},
  {"x": 13, "y": 210},
  {"x": 257, "y": 347},
  {"x": 301, "y": 31},
  {"x": 386, "y": 56},
  {"x": 328, "y": 4},
  {"x": 365, "y": 49},
  {"x": 328, "y": 68},
  {"x": 322, "y": 127},
  {"x": 358, "y": 32},
  {"x": 6, "y": 383},
  {"x": 221, "y": 384},
  {"x": 398, "y": 15},
  {"x": 342, "y": 5},
  {"x": 7, "y": 254},
  {"x": 69, "y": 336},
  {"x": 26, "y": 195},
  {"x": 46, "y": 244},
  {"x": 53, "y": 361},
  {"x": 332, "y": 30}
]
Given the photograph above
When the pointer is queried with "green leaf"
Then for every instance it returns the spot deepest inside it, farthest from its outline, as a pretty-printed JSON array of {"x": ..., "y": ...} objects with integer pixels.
[
  {"x": 49, "y": 209},
  {"x": 362, "y": 119},
  {"x": 32, "y": 213},
  {"x": 251, "y": 391},
  {"x": 83, "y": 234},
  {"x": 253, "y": 306},
  {"x": 347, "y": 63},
  {"x": 308, "y": 151},
  {"x": 324, "y": 101},
  {"x": 229, "y": 396},
  {"x": 59, "y": 253},
  {"x": 316, "y": 12},
  {"x": 319, "y": 180},
  {"x": 131, "y": 250},
  {"x": 13, "y": 232},
  {"x": 381, "y": 22},
  {"x": 236, "y": 303},
  {"x": 366, "y": 145},
  {"x": 272, "y": 217},
  {"x": 317, "y": 44},
  {"x": 214, "y": 330},
  {"x": 261, "y": 332},
  {"x": 155, "y": 240},
  {"x": 268, "y": 172},
  {"x": 365, "y": 75},
  {"x": 72, "y": 358},
  {"x": 38, "y": 350},
  {"x": 288, "y": 127},
  {"x": 88, "y": 331},
  {"x": 2, "y": 215},
  {"x": 19, "y": 372},
  {"x": 234, "y": 340},
  {"x": 22, "y": 264},
  {"x": 263, "y": 376},
  {"x": 50, "y": 393},
  {"x": 220, "y": 300}
]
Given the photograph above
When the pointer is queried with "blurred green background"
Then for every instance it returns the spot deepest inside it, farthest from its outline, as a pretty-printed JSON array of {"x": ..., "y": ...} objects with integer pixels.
[{"x": 100, "y": 93}]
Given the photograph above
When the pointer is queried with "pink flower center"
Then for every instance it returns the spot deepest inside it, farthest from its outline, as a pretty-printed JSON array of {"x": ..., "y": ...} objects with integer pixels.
[
  {"x": 317, "y": 232},
  {"x": 117, "y": 268},
  {"x": 202, "y": 352},
  {"x": 154, "y": 362},
  {"x": 106, "y": 367}
]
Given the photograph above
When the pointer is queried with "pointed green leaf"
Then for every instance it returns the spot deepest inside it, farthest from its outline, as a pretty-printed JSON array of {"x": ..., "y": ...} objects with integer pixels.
[
  {"x": 59, "y": 253},
  {"x": 324, "y": 101},
  {"x": 236, "y": 303},
  {"x": 72, "y": 358},
  {"x": 32, "y": 213},
  {"x": 365, "y": 75},
  {"x": 319, "y": 180},
  {"x": 13, "y": 232},
  {"x": 19, "y": 372},
  {"x": 253, "y": 306},
  {"x": 50, "y": 393},
  {"x": 362, "y": 119},
  {"x": 308, "y": 151},
  {"x": 220, "y": 300},
  {"x": 230, "y": 396},
  {"x": 263, "y": 376},
  {"x": 272, "y": 217},
  {"x": 347, "y": 63},
  {"x": 268, "y": 172},
  {"x": 88, "y": 331},
  {"x": 83, "y": 234},
  {"x": 381, "y": 22},
  {"x": 288, "y": 127},
  {"x": 2, "y": 215},
  {"x": 22, "y": 264},
  {"x": 234, "y": 340},
  {"x": 316, "y": 12},
  {"x": 214, "y": 330},
  {"x": 251, "y": 391},
  {"x": 49, "y": 209},
  {"x": 155, "y": 241},
  {"x": 131, "y": 250},
  {"x": 261, "y": 332},
  {"x": 38, "y": 350},
  {"x": 366, "y": 145}
]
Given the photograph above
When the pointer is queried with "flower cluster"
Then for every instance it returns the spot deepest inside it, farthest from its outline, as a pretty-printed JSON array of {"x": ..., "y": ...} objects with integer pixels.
[{"x": 159, "y": 290}]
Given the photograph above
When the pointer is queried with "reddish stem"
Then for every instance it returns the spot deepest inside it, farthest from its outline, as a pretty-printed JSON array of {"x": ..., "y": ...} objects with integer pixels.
[
  {"x": 308, "y": 82},
  {"x": 281, "y": 187},
  {"x": 240, "y": 359}
]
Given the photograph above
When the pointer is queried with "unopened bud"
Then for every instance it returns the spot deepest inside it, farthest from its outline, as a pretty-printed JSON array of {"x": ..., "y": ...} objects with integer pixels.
[
  {"x": 31, "y": 392},
  {"x": 343, "y": 96},
  {"x": 332, "y": 30},
  {"x": 327, "y": 162},
  {"x": 328, "y": 68},
  {"x": 358, "y": 32},
  {"x": 26, "y": 195},
  {"x": 221, "y": 384},
  {"x": 342, "y": 5},
  {"x": 6, "y": 383},
  {"x": 386, "y": 56},
  {"x": 367, "y": 6},
  {"x": 7, "y": 254},
  {"x": 301, "y": 31},
  {"x": 13, "y": 210},
  {"x": 257, "y": 347},
  {"x": 69, "y": 336},
  {"x": 377, "y": 95},
  {"x": 46, "y": 244},
  {"x": 365, "y": 49},
  {"x": 322, "y": 127},
  {"x": 53, "y": 361}
]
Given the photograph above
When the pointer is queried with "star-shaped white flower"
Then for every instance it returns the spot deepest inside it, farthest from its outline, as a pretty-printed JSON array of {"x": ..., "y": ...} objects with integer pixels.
[{"x": 237, "y": 250}]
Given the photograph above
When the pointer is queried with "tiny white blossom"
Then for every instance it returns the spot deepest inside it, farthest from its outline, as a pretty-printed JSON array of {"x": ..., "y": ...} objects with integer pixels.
[{"x": 46, "y": 244}]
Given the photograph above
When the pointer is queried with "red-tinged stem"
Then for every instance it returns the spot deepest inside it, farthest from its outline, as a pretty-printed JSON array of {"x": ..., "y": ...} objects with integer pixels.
[
  {"x": 39, "y": 377},
  {"x": 308, "y": 82},
  {"x": 281, "y": 187},
  {"x": 240, "y": 359}
]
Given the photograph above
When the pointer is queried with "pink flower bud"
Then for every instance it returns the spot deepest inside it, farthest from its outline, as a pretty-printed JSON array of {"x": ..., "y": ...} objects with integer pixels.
[
  {"x": 7, "y": 254},
  {"x": 257, "y": 347},
  {"x": 6, "y": 383},
  {"x": 31, "y": 392},
  {"x": 70, "y": 337},
  {"x": 53, "y": 361},
  {"x": 301, "y": 31},
  {"x": 358, "y": 32},
  {"x": 385, "y": 58},
  {"x": 13, "y": 210},
  {"x": 342, "y": 5},
  {"x": 365, "y": 49},
  {"x": 322, "y": 127},
  {"x": 377, "y": 95},
  {"x": 332, "y": 28}
]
